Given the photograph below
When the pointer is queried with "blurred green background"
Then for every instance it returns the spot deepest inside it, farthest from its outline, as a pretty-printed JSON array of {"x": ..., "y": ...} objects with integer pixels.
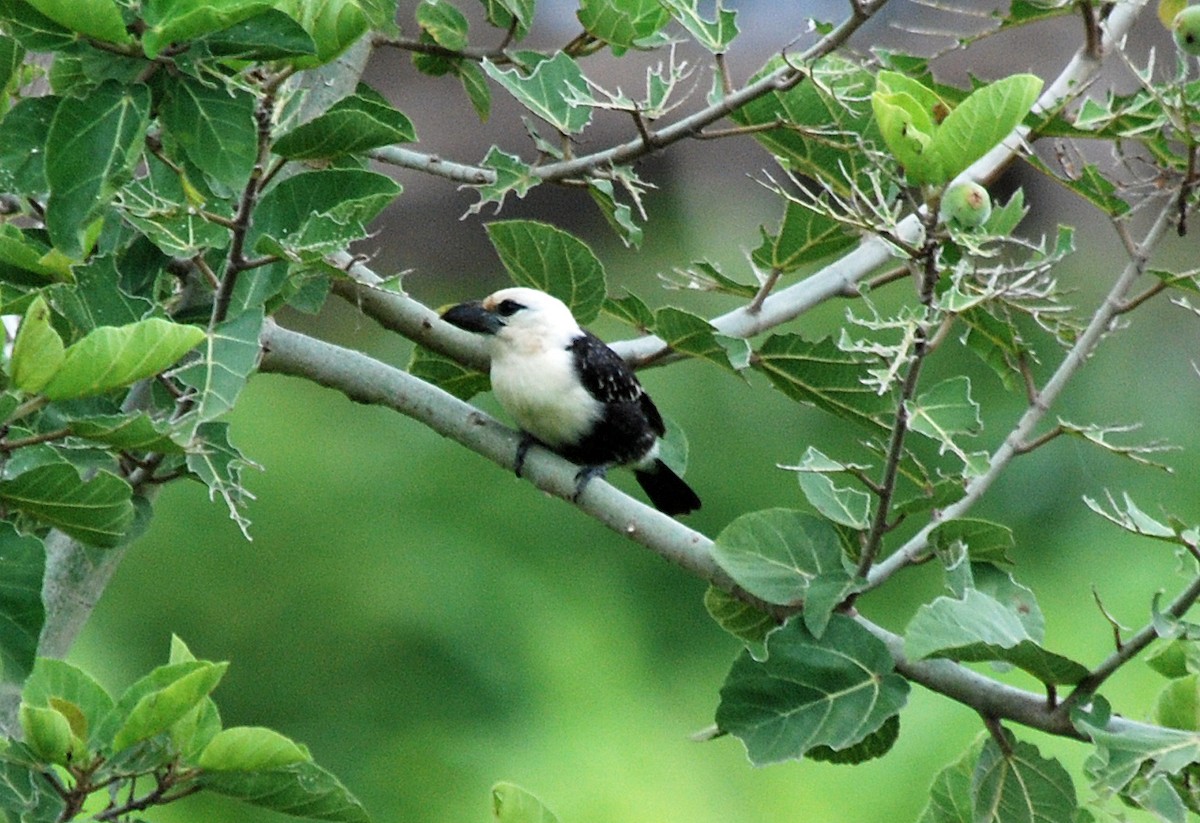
[{"x": 428, "y": 624}]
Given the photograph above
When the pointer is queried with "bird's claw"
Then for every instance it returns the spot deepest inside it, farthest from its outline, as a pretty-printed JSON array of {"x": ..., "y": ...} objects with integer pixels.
[
  {"x": 522, "y": 450},
  {"x": 585, "y": 476}
]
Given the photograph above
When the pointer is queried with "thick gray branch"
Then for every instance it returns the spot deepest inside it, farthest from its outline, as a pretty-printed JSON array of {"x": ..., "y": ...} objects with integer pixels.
[{"x": 366, "y": 380}]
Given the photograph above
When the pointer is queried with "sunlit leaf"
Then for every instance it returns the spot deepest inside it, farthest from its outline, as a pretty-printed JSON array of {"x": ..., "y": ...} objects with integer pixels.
[{"x": 544, "y": 257}]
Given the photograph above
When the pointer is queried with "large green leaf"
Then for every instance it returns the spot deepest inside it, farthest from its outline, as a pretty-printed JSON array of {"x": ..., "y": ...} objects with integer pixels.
[
  {"x": 1020, "y": 784},
  {"x": 100, "y": 19},
  {"x": 250, "y": 748},
  {"x": 831, "y": 117},
  {"x": 950, "y": 795},
  {"x": 133, "y": 432},
  {"x": 334, "y": 26},
  {"x": 98, "y": 511},
  {"x": 739, "y": 618},
  {"x": 214, "y": 125},
  {"x": 271, "y": 35},
  {"x": 56, "y": 682},
  {"x": 27, "y": 795},
  {"x": 547, "y": 258},
  {"x": 226, "y": 361},
  {"x": 822, "y": 374},
  {"x": 23, "y": 134},
  {"x": 691, "y": 334},
  {"x": 977, "y": 627},
  {"x": 622, "y": 25},
  {"x": 716, "y": 34},
  {"x": 787, "y": 557},
  {"x": 176, "y": 21},
  {"x": 22, "y": 561},
  {"x": 91, "y": 149},
  {"x": 309, "y": 215},
  {"x": 546, "y": 89},
  {"x": 301, "y": 790},
  {"x": 113, "y": 356},
  {"x": 804, "y": 236},
  {"x": 154, "y": 702},
  {"x": 832, "y": 691},
  {"x": 946, "y": 413},
  {"x": 159, "y": 206},
  {"x": 362, "y": 121}
]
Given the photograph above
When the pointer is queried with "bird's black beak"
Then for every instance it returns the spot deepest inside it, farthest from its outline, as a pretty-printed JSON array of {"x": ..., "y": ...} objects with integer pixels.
[{"x": 473, "y": 317}]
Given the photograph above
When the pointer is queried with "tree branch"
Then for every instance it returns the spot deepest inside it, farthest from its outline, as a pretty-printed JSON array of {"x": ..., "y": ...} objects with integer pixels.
[
  {"x": 366, "y": 380},
  {"x": 1018, "y": 438}
]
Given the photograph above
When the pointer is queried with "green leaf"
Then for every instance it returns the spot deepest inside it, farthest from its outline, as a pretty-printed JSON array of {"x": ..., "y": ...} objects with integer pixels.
[
  {"x": 618, "y": 215},
  {"x": 365, "y": 120},
  {"x": 976, "y": 628},
  {"x": 447, "y": 374},
  {"x": 34, "y": 30},
  {"x": 740, "y": 619},
  {"x": 22, "y": 561},
  {"x": 312, "y": 214},
  {"x": 214, "y": 125},
  {"x": 715, "y": 35},
  {"x": 100, "y": 19},
  {"x": 38, "y": 350},
  {"x": 218, "y": 464},
  {"x": 161, "y": 206},
  {"x": 950, "y": 795},
  {"x": 946, "y": 412},
  {"x": 249, "y": 749},
  {"x": 984, "y": 540},
  {"x": 55, "y": 682},
  {"x": 475, "y": 85},
  {"x": 1020, "y": 785},
  {"x": 23, "y": 135},
  {"x": 226, "y": 362},
  {"x": 1175, "y": 658},
  {"x": 825, "y": 376},
  {"x": 875, "y": 745},
  {"x": 833, "y": 691},
  {"x": 271, "y": 35},
  {"x": 804, "y": 237},
  {"x": 512, "y": 175},
  {"x": 1178, "y": 704},
  {"x": 301, "y": 790},
  {"x": 691, "y": 334},
  {"x": 334, "y": 26},
  {"x": 849, "y": 507},
  {"x": 787, "y": 557},
  {"x": 26, "y": 794},
  {"x": 91, "y": 149},
  {"x": 981, "y": 121},
  {"x": 47, "y": 733},
  {"x": 513, "y": 804},
  {"x": 153, "y": 703},
  {"x": 831, "y": 118},
  {"x": 546, "y": 89},
  {"x": 622, "y": 25},
  {"x": 100, "y": 296},
  {"x": 135, "y": 432},
  {"x": 547, "y": 258},
  {"x": 178, "y": 21},
  {"x": 114, "y": 356},
  {"x": 445, "y": 24},
  {"x": 1120, "y": 755},
  {"x": 98, "y": 512},
  {"x": 907, "y": 130}
]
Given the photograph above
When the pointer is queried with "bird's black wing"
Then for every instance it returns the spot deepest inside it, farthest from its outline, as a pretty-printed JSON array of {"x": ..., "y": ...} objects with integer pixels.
[{"x": 630, "y": 423}]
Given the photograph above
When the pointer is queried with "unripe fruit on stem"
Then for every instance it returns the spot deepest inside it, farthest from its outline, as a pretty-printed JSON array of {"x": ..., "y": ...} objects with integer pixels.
[
  {"x": 966, "y": 205},
  {"x": 1186, "y": 28}
]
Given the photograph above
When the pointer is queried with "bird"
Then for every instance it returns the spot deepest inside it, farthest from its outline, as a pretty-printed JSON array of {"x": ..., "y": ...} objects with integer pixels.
[{"x": 568, "y": 391}]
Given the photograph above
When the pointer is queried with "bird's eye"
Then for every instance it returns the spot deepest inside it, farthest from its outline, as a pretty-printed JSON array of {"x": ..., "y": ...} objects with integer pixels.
[{"x": 508, "y": 308}]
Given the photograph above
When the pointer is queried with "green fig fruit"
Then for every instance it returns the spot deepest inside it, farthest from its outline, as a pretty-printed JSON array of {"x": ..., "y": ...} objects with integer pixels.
[
  {"x": 966, "y": 205},
  {"x": 1186, "y": 29}
]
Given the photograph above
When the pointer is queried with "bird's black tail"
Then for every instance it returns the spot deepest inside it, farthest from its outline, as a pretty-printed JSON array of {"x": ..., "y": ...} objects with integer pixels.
[{"x": 666, "y": 490}]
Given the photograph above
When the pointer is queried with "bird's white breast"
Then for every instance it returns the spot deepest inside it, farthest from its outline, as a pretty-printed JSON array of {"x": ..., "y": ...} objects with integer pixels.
[{"x": 541, "y": 391}]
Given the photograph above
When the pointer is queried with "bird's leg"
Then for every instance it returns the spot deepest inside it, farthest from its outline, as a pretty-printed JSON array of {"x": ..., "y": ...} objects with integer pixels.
[
  {"x": 585, "y": 476},
  {"x": 527, "y": 440}
]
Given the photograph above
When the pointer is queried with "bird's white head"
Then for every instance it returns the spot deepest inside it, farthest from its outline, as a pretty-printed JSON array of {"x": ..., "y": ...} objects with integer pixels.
[{"x": 518, "y": 319}]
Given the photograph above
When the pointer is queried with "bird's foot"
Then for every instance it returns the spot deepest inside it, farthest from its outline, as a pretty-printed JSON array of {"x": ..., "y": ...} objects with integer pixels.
[
  {"x": 527, "y": 440},
  {"x": 585, "y": 476}
]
